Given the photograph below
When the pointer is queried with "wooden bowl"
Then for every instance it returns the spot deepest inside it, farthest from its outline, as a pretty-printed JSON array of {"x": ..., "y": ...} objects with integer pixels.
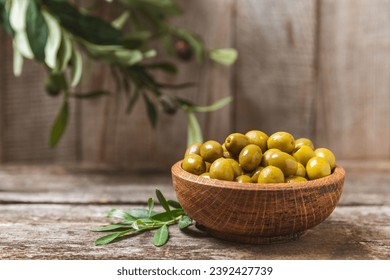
[{"x": 257, "y": 213}]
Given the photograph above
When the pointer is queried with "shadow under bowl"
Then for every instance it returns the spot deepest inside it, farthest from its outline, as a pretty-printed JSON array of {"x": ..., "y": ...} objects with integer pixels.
[{"x": 257, "y": 213}]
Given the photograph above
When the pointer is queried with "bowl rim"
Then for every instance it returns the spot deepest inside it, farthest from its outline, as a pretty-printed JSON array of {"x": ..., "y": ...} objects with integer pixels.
[{"x": 337, "y": 175}]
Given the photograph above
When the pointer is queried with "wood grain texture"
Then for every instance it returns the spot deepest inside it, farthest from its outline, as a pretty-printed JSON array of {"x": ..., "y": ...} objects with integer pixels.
[
  {"x": 27, "y": 114},
  {"x": 353, "y": 108},
  {"x": 257, "y": 213},
  {"x": 275, "y": 74},
  {"x": 63, "y": 232},
  {"x": 56, "y": 207},
  {"x": 111, "y": 136}
]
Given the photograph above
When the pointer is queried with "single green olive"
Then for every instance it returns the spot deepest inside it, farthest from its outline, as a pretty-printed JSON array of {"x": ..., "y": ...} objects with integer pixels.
[
  {"x": 236, "y": 167},
  {"x": 294, "y": 179},
  {"x": 326, "y": 154},
  {"x": 281, "y": 140},
  {"x": 258, "y": 138},
  {"x": 235, "y": 142},
  {"x": 193, "y": 149},
  {"x": 317, "y": 167},
  {"x": 287, "y": 163},
  {"x": 267, "y": 154},
  {"x": 222, "y": 169},
  {"x": 250, "y": 157},
  {"x": 303, "y": 154},
  {"x": 194, "y": 164},
  {"x": 211, "y": 150},
  {"x": 226, "y": 153},
  {"x": 255, "y": 174},
  {"x": 303, "y": 141},
  {"x": 243, "y": 179},
  {"x": 301, "y": 170},
  {"x": 271, "y": 174},
  {"x": 205, "y": 175}
]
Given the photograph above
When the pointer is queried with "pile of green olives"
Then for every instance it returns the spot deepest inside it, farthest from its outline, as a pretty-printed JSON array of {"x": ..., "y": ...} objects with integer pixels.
[{"x": 255, "y": 157}]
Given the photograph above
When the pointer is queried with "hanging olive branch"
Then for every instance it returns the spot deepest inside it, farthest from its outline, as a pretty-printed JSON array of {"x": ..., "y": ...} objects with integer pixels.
[{"x": 55, "y": 33}]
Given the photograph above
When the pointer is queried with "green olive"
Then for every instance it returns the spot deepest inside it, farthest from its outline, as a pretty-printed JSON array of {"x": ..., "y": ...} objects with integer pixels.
[
  {"x": 283, "y": 141},
  {"x": 287, "y": 163},
  {"x": 271, "y": 174},
  {"x": 193, "y": 149},
  {"x": 303, "y": 141},
  {"x": 222, "y": 169},
  {"x": 194, "y": 164},
  {"x": 205, "y": 175},
  {"x": 303, "y": 154},
  {"x": 226, "y": 153},
  {"x": 326, "y": 154},
  {"x": 293, "y": 179},
  {"x": 211, "y": 150},
  {"x": 301, "y": 170},
  {"x": 236, "y": 167},
  {"x": 258, "y": 138},
  {"x": 250, "y": 157},
  {"x": 267, "y": 154},
  {"x": 243, "y": 179},
  {"x": 255, "y": 174},
  {"x": 317, "y": 167},
  {"x": 235, "y": 142}
]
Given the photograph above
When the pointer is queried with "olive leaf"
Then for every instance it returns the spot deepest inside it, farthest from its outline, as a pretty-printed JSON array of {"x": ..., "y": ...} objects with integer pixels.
[
  {"x": 161, "y": 236},
  {"x": 59, "y": 126},
  {"x": 194, "y": 133},
  {"x": 37, "y": 30},
  {"x": 224, "y": 56},
  {"x": 138, "y": 220}
]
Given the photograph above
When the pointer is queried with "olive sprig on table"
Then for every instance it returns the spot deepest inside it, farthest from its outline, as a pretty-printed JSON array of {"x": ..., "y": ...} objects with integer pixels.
[
  {"x": 258, "y": 158},
  {"x": 139, "y": 220}
]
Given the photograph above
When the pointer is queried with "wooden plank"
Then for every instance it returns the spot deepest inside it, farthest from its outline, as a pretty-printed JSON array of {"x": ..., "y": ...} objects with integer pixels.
[
  {"x": 80, "y": 185},
  {"x": 111, "y": 136},
  {"x": 27, "y": 114},
  {"x": 2, "y": 88},
  {"x": 63, "y": 232},
  {"x": 353, "y": 108},
  {"x": 275, "y": 79}
]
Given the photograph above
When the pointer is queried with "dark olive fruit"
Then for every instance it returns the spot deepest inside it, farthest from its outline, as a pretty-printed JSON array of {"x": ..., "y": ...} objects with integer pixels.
[
  {"x": 236, "y": 167},
  {"x": 235, "y": 142},
  {"x": 271, "y": 174},
  {"x": 326, "y": 154},
  {"x": 222, "y": 169},
  {"x": 301, "y": 170},
  {"x": 267, "y": 154},
  {"x": 194, "y": 164},
  {"x": 211, "y": 150},
  {"x": 255, "y": 174},
  {"x": 183, "y": 50},
  {"x": 168, "y": 104},
  {"x": 294, "y": 179},
  {"x": 243, "y": 179},
  {"x": 283, "y": 141},
  {"x": 205, "y": 175},
  {"x": 258, "y": 138},
  {"x": 317, "y": 167},
  {"x": 287, "y": 163},
  {"x": 193, "y": 149},
  {"x": 303, "y": 154},
  {"x": 51, "y": 85},
  {"x": 226, "y": 153},
  {"x": 303, "y": 141},
  {"x": 250, "y": 157}
]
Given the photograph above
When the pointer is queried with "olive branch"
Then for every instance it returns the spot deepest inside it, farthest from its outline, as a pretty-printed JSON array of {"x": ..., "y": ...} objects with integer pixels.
[{"x": 57, "y": 34}]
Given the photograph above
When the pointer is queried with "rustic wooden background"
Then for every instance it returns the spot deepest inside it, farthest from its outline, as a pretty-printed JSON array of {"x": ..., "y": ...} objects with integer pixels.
[{"x": 316, "y": 68}]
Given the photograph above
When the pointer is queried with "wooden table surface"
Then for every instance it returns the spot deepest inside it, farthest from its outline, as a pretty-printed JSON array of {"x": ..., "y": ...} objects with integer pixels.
[{"x": 47, "y": 213}]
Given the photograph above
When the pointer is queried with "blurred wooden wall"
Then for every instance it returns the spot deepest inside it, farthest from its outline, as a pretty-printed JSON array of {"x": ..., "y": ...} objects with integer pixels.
[{"x": 316, "y": 68}]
